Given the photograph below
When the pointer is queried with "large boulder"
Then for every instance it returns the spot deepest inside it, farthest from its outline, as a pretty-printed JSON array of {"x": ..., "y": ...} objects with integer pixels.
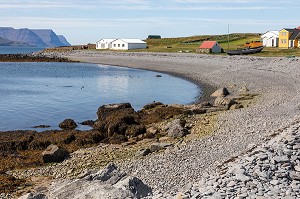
[
  {"x": 223, "y": 101},
  {"x": 176, "y": 128},
  {"x": 106, "y": 110},
  {"x": 221, "y": 92},
  {"x": 119, "y": 122},
  {"x": 68, "y": 124},
  {"x": 108, "y": 183},
  {"x": 54, "y": 153}
]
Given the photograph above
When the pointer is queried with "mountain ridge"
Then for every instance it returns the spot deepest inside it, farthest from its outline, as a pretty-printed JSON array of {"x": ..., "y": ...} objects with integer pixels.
[
  {"x": 43, "y": 38},
  {"x": 7, "y": 42}
]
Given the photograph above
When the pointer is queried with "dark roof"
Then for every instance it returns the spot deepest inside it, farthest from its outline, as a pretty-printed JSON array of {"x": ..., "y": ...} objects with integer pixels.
[{"x": 295, "y": 33}]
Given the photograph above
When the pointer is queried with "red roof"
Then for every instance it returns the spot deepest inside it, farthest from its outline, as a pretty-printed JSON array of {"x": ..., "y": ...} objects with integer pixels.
[
  {"x": 298, "y": 28},
  {"x": 208, "y": 44}
]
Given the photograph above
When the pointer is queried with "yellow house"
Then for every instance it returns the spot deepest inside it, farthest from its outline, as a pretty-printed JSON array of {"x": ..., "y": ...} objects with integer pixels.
[{"x": 289, "y": 38}]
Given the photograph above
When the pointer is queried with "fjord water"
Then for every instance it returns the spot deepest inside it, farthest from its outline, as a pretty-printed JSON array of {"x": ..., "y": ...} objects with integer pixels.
[
  {"x": 18, "y": 50},
  {"x": 34, "y": 94}
]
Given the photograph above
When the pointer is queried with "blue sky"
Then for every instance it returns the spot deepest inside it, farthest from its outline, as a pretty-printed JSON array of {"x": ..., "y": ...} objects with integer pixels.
[{"x": 86, "y": 21}]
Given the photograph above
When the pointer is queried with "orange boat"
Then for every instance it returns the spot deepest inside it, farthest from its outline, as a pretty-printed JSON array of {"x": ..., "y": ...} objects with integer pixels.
[{"x": 253, "y": 44}]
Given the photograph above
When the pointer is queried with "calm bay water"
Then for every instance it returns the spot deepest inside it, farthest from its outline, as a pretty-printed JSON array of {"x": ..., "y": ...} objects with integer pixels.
[
  {"x": 18, "y": 50},
  {"x": 34, "y": 94}
]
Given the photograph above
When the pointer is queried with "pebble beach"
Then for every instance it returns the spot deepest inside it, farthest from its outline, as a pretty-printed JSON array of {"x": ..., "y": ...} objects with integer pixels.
[{"x": 252, "y": 152}]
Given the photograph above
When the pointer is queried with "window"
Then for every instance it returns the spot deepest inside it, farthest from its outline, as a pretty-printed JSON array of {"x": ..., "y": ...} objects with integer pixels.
[
  {"x": 283, "y": 41},
  {"x": 119, "y": 45},
  {"x": 283, "y": 33},
  {"x": 115, "y": 45},
  {"x": 123, "y": 45}
]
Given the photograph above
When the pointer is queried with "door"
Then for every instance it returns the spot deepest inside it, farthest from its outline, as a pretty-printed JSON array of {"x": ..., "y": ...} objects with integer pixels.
[
  {"x": 292, "y": 43},
  {"x": 272, "y": 42}
]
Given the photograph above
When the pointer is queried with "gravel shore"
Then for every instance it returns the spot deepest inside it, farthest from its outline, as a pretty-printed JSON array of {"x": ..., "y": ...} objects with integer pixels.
[{"x": 275, "y": 80}]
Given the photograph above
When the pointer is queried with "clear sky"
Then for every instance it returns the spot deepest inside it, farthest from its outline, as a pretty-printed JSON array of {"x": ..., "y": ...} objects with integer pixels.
[{"x": 87, "y": 21}]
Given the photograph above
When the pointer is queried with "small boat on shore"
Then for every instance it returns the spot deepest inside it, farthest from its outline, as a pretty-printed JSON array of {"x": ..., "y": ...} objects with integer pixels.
[{"x": 245, "y": 51}]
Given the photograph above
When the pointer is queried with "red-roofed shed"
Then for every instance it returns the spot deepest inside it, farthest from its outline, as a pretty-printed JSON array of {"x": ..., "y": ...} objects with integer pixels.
[
  {"x": 298, "y": 28},
  {"x": 209, "y": 47}
]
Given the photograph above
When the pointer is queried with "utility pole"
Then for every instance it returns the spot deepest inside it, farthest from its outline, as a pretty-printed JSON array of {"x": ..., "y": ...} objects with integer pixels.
[{"x": 228, "y": 39}]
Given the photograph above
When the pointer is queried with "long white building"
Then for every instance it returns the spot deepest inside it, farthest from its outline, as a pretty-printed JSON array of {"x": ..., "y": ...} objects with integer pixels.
[
  {"x": 121, "y": 44},
  {"x": 104, "y": 43}
]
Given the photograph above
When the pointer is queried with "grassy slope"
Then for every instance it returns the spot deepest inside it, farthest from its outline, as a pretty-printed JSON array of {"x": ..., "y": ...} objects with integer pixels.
[{"x": 190, "y": 44}]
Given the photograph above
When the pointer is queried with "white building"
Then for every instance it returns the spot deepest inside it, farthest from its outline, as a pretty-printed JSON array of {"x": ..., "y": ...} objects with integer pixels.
[
  {"x": 128, "y": 44},
  {"x": 104, "y": 43},
  {"x": 270, "y": 39}
]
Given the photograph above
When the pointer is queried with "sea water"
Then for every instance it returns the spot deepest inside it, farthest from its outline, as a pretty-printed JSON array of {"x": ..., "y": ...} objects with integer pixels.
[
  {"x": 18, "y": 50},
  {"x": 33, "y": 94}
]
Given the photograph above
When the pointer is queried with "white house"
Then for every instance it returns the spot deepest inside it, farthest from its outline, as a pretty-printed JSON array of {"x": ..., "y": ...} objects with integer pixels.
[
  {"x": 104, "y": 43},
  {"x": 128, "y": 44},
  {"x": 270, "y": 39}
]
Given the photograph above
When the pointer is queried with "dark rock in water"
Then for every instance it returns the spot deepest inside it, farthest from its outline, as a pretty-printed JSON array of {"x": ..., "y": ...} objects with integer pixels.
[
  {"x": 68, "y": 124},
  {"x": 105, "y": 110},
  {"x": 88, "y": 123},
  {"x": 152, "y": 105},
  {"x": 158, "y": 76},
  {"x": 222, "y": 92},
  {"x": 54, "y": 153},
  {"x": 41, "y": 126}
]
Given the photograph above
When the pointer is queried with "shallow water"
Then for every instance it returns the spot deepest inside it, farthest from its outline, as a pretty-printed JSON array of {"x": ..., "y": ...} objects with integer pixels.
[{"x": 34, "y": 94}]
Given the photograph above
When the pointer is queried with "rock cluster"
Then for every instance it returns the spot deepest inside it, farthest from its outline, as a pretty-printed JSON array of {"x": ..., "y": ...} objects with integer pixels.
[
  {"x": 271, "y": 170},
  {"x": 107, "y": 183}
]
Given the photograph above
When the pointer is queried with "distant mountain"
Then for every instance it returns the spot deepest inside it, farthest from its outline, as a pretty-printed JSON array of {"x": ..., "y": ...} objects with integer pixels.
[
  {"x": 7, "y": 42},
  {"x": 40, "y": 38},
  {"x": 63, "y": 40},
  {"x": 22, "y": 35},
  {"x": 48, "y": 37}
]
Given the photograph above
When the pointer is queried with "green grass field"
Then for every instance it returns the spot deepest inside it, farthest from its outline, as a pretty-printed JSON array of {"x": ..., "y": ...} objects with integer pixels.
[{"x": 190, "y": 44}]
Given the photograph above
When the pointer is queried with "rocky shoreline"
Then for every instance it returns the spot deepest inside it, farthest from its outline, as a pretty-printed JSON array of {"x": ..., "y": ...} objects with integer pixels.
[
  {"x": 181, "y": 169},
  {"x": 31, "y": 58}
]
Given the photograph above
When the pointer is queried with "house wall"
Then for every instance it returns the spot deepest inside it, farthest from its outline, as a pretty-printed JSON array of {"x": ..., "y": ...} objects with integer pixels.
[
  {"x": 296, "y": 43},
  {"x": 103, "y": 44},
  {"x": 284, "y": 36},
  {"x": 216, "y": 49},
  {"x": 270, "y": 41},
  {"x": 203, "y": 50},
  {"x": 119, "y": 45},
  {"x": 137, "y": 46}
]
